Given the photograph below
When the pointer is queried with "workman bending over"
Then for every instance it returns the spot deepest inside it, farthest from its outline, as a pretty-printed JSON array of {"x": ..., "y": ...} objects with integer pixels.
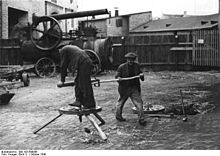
[
  {"x": 74, "y": 58},
  {"x": 130, "y": 88}
]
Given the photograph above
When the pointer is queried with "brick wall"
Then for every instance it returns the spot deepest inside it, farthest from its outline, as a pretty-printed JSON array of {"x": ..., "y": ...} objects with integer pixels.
[
  {"x": 117, "y": 26},
  {"x": 99, "y": 24},
  {"x": 138, "y": 19},
  {"x": 29, "y": 6}
]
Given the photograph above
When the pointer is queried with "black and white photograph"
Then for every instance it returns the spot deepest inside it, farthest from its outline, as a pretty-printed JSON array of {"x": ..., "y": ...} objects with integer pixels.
[{"x": 109, "y": 75}]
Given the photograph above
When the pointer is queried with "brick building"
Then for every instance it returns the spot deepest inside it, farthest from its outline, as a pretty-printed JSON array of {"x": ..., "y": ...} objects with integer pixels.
[
  {"x": 118, "y": 25},
  {"x": 18, "y": 13}
]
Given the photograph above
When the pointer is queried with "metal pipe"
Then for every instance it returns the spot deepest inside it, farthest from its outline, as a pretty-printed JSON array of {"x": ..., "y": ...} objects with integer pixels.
[
  {"x": 97, "y": 81},
  {"x": 80, "y": 14}
]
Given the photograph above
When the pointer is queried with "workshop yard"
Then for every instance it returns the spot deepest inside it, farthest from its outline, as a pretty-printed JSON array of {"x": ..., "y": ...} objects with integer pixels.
[{"x": 33, "y": 106}]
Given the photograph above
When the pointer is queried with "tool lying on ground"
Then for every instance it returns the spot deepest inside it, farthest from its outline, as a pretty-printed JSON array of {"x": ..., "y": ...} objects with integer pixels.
[
  {"x": 96, "y": 82},
  {"x": 184, "y": 113},
  {"x": 12, "y": 75},
  {"x": 162, "y": 115}
]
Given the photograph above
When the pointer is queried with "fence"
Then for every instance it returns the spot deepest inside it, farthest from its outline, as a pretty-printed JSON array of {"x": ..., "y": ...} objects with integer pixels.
[
  {"x": 184, "y": 51},
  {"x": 206, "y": 48},
  {"x": 160, "y": 51},
  {"x": 10, "y": 52},
  {"x": 165, "y": 51}
]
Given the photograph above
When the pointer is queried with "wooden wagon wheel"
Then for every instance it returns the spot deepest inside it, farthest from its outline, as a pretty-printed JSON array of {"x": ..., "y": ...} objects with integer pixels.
[
  {"x": 45, "y": 67},
  {"x": 95, "y": 61},
  {"x": 45, "y": 33}
]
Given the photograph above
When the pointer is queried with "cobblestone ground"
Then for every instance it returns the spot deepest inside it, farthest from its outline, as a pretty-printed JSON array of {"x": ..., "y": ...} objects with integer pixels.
[{"x": 33, "y": 106}]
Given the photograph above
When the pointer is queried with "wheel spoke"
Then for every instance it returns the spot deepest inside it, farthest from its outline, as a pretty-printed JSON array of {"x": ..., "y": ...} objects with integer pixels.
[
  {"x": 38, "y": 30},
  {"x": 45, "y": 67},
  {"x": 45, "y": 26}
]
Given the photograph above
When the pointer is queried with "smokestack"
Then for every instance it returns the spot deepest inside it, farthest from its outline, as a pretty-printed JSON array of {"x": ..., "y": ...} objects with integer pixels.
[
  {"x": 116, "y": 12},
  {"x": 110, "y": 14},
  {"x": 184, "y": 13}
]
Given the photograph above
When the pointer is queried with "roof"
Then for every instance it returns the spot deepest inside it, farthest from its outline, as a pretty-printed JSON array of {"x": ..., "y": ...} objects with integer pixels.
[
  {"x": 126, "y": 15},
  {"x": 135, "y": 13},
  {"x": 177, "y": 24}
]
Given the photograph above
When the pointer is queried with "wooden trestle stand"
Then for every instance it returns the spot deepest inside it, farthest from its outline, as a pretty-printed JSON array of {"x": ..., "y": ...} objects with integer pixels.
[{"x": 80, "y": 112}]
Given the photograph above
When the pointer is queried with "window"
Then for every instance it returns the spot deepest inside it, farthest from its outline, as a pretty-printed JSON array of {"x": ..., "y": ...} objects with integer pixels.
[
  {"x": 167, "y": 25},
  {"x": 55, "y": 1},
  {"x": 118, "y": 22}
]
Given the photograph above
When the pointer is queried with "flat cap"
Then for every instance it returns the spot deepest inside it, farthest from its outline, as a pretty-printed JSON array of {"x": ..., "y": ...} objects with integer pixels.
[{"x": 130, "y": 55}]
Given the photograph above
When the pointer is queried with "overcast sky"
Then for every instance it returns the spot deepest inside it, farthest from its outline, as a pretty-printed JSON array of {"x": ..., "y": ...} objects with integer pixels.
[{"x": 193, "y": 7}]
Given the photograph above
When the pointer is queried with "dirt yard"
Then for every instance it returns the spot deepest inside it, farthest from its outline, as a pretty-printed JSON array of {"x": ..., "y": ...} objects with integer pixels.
[{"x": 33, "y": 106}]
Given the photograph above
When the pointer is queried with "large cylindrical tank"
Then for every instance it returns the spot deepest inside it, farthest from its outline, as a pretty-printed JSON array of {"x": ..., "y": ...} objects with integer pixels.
[{"x": 103, "y": 48}]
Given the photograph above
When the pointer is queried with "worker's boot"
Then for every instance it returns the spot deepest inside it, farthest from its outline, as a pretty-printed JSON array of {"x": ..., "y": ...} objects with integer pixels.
[
  {"x": 75, "y": 104},
  {"x": 121, "y": 119}
]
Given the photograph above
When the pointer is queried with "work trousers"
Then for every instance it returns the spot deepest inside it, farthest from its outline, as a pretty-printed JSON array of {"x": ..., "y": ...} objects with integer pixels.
[
  {"x": 83, "y": 88},
  {"x": 135, "y": 95}
]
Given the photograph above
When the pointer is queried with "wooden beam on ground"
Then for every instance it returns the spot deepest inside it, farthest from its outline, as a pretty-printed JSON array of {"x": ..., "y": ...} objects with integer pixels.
[{"x": 101, "y": 133}]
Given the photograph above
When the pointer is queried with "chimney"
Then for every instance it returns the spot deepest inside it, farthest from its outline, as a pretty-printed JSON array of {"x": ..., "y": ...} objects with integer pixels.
[
  {"x": 109, "y": 13},
  {"x": 116, "y": 11},
  {"x": 184, "y": 13}
]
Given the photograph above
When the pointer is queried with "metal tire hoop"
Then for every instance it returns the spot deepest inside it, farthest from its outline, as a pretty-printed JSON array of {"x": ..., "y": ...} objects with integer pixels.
[{"x": 150, "y": 110}]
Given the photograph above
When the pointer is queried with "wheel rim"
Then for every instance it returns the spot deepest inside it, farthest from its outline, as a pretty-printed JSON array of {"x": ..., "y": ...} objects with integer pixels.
[
  {"x": 45, "y": 67},
  {"x": 96, "y": 68}
]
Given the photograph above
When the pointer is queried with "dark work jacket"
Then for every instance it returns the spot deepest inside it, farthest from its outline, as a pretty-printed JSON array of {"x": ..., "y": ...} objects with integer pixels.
[
  {"x": 71, "y": 58},
  {"x": 123, "y": 72}
]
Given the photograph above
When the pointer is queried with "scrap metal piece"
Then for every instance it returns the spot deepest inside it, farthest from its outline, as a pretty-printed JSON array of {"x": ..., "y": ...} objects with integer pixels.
[{"x": 150, "y": 110}]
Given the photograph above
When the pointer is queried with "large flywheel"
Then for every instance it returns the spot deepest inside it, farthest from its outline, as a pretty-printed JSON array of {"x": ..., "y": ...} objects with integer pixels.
[{"x": 46, "y": 33}]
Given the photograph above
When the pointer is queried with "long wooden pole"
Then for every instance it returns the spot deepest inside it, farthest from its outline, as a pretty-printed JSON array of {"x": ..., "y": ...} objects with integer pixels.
[
  {"x": 101, "y": 133},
  {"x": 35, "y": 132},
  {"x": 72, "y": 83}
]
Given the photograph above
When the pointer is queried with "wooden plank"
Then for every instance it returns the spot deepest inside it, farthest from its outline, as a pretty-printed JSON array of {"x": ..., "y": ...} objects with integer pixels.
[
  {"x": 101, "y": 133},
  {"x": 181, "y": 48},
  {"x": 11, "y": 47},
  {"x": 217, "y": 47},
  {"x": 212, "y": 44},
  {"x": 200, "y": 53},
  {"x": 194, "y": 45}
]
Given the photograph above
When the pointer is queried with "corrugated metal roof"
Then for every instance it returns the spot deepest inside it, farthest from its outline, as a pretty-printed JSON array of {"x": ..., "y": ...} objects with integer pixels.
[{"x": 182, "y": 23}]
